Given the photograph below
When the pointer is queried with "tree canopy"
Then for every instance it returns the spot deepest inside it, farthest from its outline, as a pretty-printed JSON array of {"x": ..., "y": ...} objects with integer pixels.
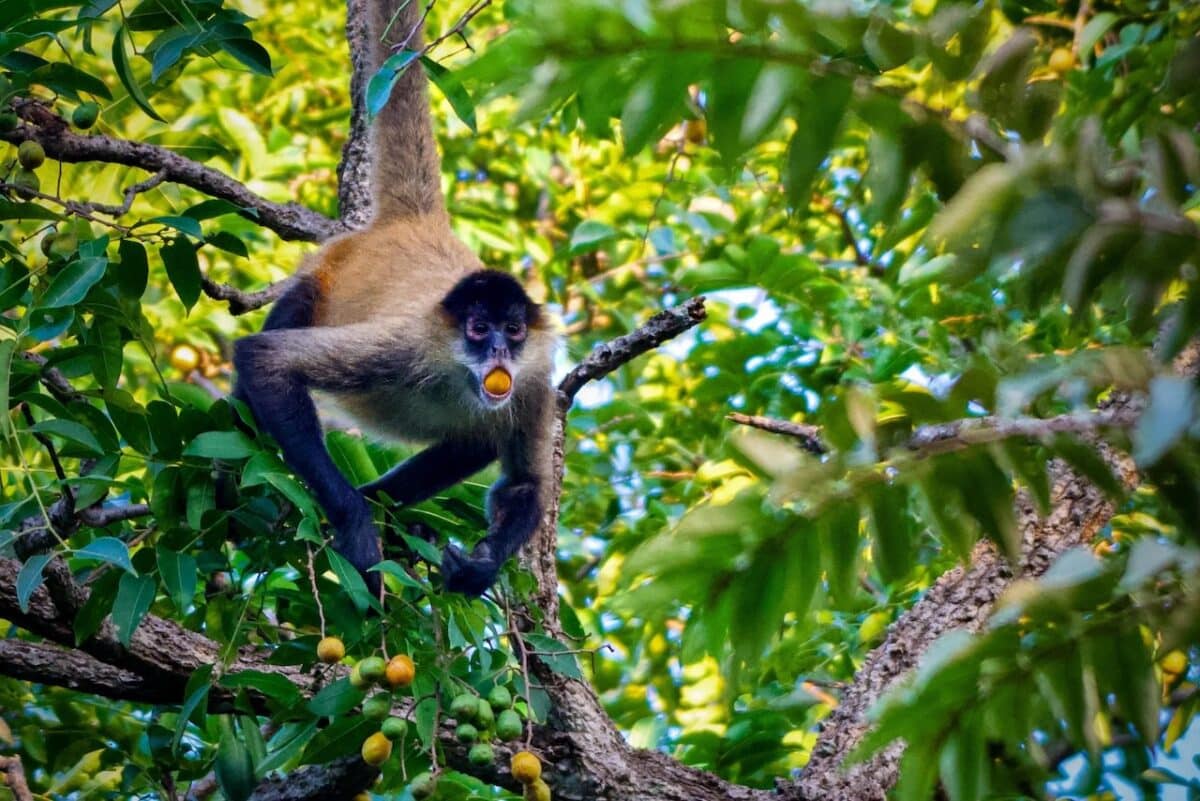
[{"x": 879, "y": 465}]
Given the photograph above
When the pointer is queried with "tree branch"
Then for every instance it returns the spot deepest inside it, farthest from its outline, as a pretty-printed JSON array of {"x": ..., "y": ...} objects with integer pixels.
[
  {"x": 289, "y": 220},
  {"x": 14, "y": 777},
  {"x": 809, "y": 435}
]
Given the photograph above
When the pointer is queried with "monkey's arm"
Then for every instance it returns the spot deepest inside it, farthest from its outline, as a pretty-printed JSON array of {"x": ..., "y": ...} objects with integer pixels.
[
  {"x": 276, "y": 370},
  {"x": 431, "y": 471},
  {"x": 515, "y": 506}
]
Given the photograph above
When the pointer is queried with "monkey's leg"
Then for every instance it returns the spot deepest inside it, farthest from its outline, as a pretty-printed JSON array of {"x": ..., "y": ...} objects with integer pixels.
[
  {"x": 276, "y": 370},
  {"x": 431, "y": 471},
  {"x": 515, "y": 512}
]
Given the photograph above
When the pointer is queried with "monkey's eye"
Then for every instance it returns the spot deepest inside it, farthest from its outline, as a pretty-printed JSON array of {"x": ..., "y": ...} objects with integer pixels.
[
  {"x": 478, "y": 330},
  {"x": 515, "y": 331}
]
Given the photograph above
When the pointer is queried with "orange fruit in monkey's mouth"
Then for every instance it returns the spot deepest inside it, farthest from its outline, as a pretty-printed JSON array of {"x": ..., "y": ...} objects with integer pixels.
[{"x": 498, "y": 383}]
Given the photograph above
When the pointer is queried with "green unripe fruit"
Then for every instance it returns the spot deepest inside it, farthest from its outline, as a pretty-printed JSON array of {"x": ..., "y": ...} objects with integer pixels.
[
  {"x": 25, "y": 181},
  {"x": 31, "y": 154},
  {"x": 356, "y": 678},
  {"x": 64, "y": 245},
  {"x": 500, "y": 698},
  {"x": 9, "y": 121},
  {"x": 484, "y": 715},
  {"x": 508, "y": 725},
  {"x": 372, "y": 668},
  {"x": 422, "y": 786},
  {"x": 464, "y": 707},
  {"x": 48, "y": 243},
  {"x": 394, "y": 728},
  {"x": 85, "y": 115},
  {"x": 481, "y": 755},
  {"x": 377, "y": 707},
  {"x": 466, "y": 733}
]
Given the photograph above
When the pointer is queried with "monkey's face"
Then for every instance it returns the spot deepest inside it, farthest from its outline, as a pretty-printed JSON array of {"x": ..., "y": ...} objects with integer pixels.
[{"x": 494, "y": 316}]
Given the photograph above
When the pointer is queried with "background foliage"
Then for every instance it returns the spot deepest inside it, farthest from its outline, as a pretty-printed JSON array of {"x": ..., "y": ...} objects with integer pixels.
[{"x": 904, "y": 214}]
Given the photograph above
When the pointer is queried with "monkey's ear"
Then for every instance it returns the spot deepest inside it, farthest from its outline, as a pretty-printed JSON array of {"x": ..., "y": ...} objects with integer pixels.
[{"x": 534, "y": 316}]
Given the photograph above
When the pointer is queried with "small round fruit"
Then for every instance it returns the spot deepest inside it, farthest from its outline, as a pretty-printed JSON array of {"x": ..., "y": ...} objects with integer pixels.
[
  {"x": 1062, "y": 60},
  {"x": 537, "y": 791},
  {"x": 356, "y": 678},
  {"x": 85, "y": 115},
  {"x": 1174, "y": 663},
  {"x": 330, "y": 649},
  {"x": 526, "y": 768},
  {"x": 394, "y": 728},
  {"x": 363, "y": 796},
  {"x": 185, "y": 358},
  {"x": 500, "y": 698},
  {"x": 9, "y": 121},
  {"x": 481, "y": 755},
  {"x": 508, "y": 725},
  {"x": 372, "y": 668},
  {"x": 31, "y": 154},
  {"x": 423, "y": 785},
  {"x": 377, "y": 707},
  {"x": 400, "y": 670},
  {"x": 484, "y": 715},
  {"x": 376, "y": 749},
  {"x": 464, "y": 707},
  {"x": 466, "y": 733},
  {"x": 498, "y": 382},
  {"x": 47, "y": 243},
  {"x": 25, "y": 181}
]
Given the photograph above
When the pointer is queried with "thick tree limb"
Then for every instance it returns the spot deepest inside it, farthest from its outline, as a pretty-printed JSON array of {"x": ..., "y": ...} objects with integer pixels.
[
  {"x": 14, "y": 777},
  {"x": 44, "y": 663},
  {"x": 289, "y": 220}
]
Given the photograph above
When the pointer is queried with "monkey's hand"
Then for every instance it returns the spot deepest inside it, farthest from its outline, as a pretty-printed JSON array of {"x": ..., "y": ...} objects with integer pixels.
[
  {"x": 470, "y": 575},
  {"x": 357, "y": 539}
]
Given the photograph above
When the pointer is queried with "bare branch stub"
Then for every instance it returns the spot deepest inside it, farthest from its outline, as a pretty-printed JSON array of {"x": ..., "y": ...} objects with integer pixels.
[
  {"x": 809, "y": 436},
  {"x": 241, "y": 301},
  {"x": 608, "y": 357}
]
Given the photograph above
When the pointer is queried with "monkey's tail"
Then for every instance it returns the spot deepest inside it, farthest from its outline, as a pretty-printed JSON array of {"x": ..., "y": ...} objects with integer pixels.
[{"x": 405, "y": 175}]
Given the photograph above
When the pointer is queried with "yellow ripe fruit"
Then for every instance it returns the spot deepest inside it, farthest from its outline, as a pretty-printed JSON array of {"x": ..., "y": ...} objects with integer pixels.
[
  {"x": 1174, "y": 663},
  {"x": 498, "y": 382},
  {"x": 363, "y": 796},
  {"x": 1062, "y": 60},
  {"x": 330, "y": 650},
  {"x": 376, "y": 749},
  {"x": 537, "y": 791},
  {"x": 184, "y": 358},
  {"x": 400, "y": 670},
  {"x": 526, "y": 768}
]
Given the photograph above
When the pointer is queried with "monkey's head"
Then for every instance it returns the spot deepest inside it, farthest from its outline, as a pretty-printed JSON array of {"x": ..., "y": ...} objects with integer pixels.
[{"x": 494, "y": 316}]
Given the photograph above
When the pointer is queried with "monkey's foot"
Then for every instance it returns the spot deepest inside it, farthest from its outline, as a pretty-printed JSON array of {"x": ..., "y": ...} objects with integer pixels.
[{"x": 469, "y": 575}]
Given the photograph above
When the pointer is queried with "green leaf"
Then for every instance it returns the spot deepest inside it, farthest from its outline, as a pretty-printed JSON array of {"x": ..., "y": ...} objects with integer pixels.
[
  {"x": 352, "y": 583},
  {"x": 178, "y": 573},
  {"x": 72, "y": 432},
  {"x": 120, "y": 61},
  {"x": 133, "y": 272},
  {"x": 30, "y": 578},
  {"x": 555, "y": 655},
  {"x": 7, "y": 348},
  {"x": 590, "y": 235},
  {"x": 195, "y": 695},
  {"x": 839, "y": 551},
  {"x": 183, "y": 269},
  {"x": 274, "y": 686},
  {"x": 221, "y": 445},
  {"x": 893, "y": 549},
  {"x": 426, "y": 550},
  {"x": 460, "y": 100},
  {"x": 655, "y": 102},
  {"x": 379, "y": 88},
  {"x": 134, "y": 596},
  {"x": 286, "y": 744},
  {"x": 72, "y": 284},
  {"x": 107, "y": 549},
  {"x": 182, "y": 223},
  {"x": 336, "y": 699},
  {"x": 1096, "y": 27},
  {"x": 233, "y": 766},
  {"x": 249, "y": 53},
  {"x": 818, "y": 120},
  {"x": 342, "y": 737},
  {"x": 1171, "y": 412}
]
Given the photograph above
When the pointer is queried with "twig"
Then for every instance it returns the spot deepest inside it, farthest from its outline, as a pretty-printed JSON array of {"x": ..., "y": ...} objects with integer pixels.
[
  {"x": 240, "y": 301},
  {"x": 130, "y": 193},
  {"x": 808, "y": 435},
  {"x": 45, "y": 441},
  {"x": 455, "y": 30},
  {"x": 289, "y": 220},
  {"x": 611, "y": 355},
  {"x": 52, "y": 378}
]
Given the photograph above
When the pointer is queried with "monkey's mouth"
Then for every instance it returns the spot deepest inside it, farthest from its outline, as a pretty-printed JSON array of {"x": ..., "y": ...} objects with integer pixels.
[{"x": 497, "y": 385}]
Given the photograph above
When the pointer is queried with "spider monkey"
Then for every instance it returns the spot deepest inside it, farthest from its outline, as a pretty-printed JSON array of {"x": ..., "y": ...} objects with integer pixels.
[{"x": 404, "y": 328}]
